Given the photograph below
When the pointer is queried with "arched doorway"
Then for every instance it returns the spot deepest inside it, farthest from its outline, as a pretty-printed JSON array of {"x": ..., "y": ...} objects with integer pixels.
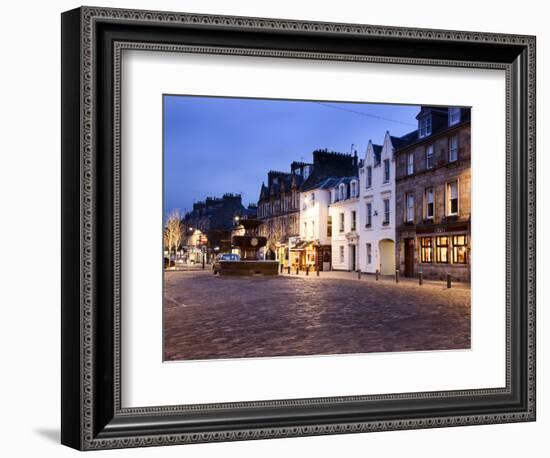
[{"x": 386, "y": 250}]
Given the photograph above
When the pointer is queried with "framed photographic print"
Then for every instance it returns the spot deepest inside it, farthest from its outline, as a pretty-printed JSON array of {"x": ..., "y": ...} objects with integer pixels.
[{"x": 278, "y": 228}]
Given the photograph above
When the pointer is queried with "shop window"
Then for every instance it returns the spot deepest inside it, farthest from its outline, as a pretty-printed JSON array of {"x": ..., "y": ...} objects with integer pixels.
[
  {"x": 442, "y": 249},
  {"x": 460, "y": 245},
  {"x": 426, "y": 249}
]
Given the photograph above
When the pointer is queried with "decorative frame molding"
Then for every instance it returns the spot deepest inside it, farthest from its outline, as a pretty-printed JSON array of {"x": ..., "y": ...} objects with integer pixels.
[{"x": 92, "y": 414}]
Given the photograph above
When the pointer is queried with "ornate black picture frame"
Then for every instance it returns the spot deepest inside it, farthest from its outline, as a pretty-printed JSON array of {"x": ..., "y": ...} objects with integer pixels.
[{"x": 92, "y": 41}]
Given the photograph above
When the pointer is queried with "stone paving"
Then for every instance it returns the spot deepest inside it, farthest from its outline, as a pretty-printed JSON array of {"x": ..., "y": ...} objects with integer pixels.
[{"x": 209, "y": 317}]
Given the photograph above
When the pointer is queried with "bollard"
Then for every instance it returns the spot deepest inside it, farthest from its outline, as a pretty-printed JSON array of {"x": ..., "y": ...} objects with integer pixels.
[
  {"x": 282, "y": 267},
  {"x": 289, "y": 269},
  {"x": 307, "y": 270},
  {"x": 396, "y": 275},
  {"x": 377, "y": 274},
  {"x": 359, "y": 274},
  {"x": 317, "y": 270},
  {"x": 420, "y": 278},
  {"x": 297, "y": 270},
  {"x": 448, "y": 280}
]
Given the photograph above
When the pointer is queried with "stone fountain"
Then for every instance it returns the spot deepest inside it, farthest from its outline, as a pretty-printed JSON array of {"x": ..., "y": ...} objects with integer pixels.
[{"x": 249, "y": 244}]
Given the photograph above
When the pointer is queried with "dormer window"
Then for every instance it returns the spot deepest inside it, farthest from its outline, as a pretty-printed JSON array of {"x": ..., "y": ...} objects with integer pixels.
[
  {"x": 425, "y": 127},
  {"x": 454, "y": 115},
  {"x": 342, "y": 192},
  {"x": 353, "y": 189}
]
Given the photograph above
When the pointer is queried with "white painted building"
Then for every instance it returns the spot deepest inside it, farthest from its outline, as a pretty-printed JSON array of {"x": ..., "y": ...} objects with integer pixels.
[
  {"x": 377, "y": 208},
  {"x": 314, "y": 226},
  {"x": 344, "y": 215}
]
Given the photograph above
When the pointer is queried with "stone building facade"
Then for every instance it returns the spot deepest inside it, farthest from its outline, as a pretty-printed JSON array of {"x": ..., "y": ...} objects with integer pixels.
[
  {"x": 433, "y": 196},
  {"x": 279, "y": 210}
]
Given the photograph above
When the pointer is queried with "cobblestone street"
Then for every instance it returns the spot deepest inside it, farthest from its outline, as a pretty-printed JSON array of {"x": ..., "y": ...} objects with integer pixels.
[{"x": 208, "y": 316}]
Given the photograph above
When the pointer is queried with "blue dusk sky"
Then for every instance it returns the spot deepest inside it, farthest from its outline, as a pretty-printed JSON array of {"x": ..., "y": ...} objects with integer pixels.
[{"x": 215, "y": 145}]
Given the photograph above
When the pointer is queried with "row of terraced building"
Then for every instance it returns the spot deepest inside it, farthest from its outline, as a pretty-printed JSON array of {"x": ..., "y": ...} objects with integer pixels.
[{"x": 404, "y": 206}]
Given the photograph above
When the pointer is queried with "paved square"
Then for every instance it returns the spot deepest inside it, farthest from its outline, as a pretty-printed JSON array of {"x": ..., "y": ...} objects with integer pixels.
[{"x": 208, "y": 316}]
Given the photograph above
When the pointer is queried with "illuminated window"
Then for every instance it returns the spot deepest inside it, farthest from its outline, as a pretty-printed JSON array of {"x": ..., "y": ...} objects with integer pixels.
[
  {"x": 460, "y": 244},
  {"x": 329, "y": 226},
  {"x": 430, "y": 157},
  {"x": 426, "y": 249},
  {"x": 442, "y": 249},
  {"x": 429, "y": 198},
  {"x": 453, "y": 149}
]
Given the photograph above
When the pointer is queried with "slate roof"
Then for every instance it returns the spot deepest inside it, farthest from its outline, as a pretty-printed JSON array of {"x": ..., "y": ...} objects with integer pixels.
[
  {"x": 400, "y": 142},
  {"x": 377, "y": 152},
  {"x": 437, "y": 127}
]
